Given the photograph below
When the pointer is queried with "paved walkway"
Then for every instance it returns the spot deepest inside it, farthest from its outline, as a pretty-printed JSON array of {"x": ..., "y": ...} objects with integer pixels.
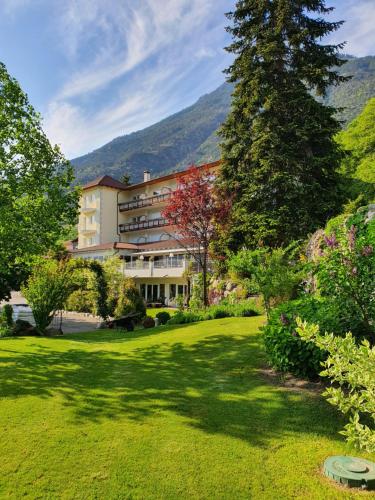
[{"x": 71, "y": 323}]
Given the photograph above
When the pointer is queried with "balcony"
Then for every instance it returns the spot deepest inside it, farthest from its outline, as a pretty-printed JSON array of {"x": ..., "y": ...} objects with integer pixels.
[
  {"x": 142, "y": 203},
  {"x": 87, "y": 210},
  {"x": 146, "y": 224},
  {"x": 171, "y": 268},
  {"x": 87, "y": 230}
]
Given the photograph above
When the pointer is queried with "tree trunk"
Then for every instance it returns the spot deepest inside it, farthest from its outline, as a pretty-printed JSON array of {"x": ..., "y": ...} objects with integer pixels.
[{"x": 204, "y": 275}]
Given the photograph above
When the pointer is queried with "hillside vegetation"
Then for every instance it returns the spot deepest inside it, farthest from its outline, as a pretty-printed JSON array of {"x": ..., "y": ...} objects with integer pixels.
[
  {"x": 359, "y": 140},
  {"x": 189, "y": 136}
]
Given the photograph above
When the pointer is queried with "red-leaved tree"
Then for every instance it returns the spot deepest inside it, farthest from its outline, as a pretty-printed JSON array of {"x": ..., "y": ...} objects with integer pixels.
[{"x": 195, "y": 210}]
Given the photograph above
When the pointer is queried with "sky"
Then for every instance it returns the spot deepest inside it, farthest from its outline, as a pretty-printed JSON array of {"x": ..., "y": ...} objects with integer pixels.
[{"x": 97, "y": 69}]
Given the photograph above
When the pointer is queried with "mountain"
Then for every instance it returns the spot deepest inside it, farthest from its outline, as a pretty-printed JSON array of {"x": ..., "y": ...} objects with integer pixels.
[
  {"x": 168, "y": 145},
  {"x": 189, "y": 136}
]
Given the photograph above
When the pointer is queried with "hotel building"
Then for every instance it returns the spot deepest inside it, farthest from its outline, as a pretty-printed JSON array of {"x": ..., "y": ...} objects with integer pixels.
[{"x": 127, "y": 221}]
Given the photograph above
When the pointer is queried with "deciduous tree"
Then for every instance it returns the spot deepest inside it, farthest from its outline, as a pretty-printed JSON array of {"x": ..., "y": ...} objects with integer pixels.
[
  {"x": 195, "y": 209},
  {"x": 36, "y": 201}
]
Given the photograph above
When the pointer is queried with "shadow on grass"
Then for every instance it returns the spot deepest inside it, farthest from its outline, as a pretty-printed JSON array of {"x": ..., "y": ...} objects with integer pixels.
[{"x": 213, "y": 384}]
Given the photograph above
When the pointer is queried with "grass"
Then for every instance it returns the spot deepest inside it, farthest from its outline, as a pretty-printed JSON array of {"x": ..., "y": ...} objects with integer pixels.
[
  {"x": 174, "y": 412},
  {"x": 152, "y": 311}
]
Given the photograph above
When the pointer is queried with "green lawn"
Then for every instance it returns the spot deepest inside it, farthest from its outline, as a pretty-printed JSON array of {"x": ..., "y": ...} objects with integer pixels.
[
  {"x": 172, "y": 413},
  {"x": 152, "y": 311}
]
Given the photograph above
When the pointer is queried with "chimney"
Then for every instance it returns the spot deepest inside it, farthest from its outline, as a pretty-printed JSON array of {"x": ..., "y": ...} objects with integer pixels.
[{"x": 146, "y": 176}]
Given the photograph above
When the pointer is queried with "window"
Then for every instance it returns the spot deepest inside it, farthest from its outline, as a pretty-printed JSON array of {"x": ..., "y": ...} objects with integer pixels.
[
  {"x": 180, "y": 289},
  {"x": 172, "y": 291}
]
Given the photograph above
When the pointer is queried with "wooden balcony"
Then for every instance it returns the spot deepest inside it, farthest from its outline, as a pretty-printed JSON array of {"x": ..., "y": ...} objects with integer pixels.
[
  {"x": 145, "y": 202},
  {"x": 146, "y": 224}
]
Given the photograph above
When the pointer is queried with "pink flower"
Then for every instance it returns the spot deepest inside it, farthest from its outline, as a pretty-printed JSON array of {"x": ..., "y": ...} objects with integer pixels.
[
  {"x": 284, "y": 320},
  {"x": 367, "y": 250},
  {"x": 331, "y": 241}
]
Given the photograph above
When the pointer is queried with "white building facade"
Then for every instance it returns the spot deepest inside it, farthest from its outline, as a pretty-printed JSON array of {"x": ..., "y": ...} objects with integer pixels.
[{"x": 127, "y": 221}]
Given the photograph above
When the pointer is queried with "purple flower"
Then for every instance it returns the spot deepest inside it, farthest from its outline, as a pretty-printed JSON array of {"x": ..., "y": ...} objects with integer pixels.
[
  {"x": 351, "y": 238},
  {"x": 295, "y": 334},
  {"x": 354, "y": 271},
  {"x": 367, "y": 250},
  {"x": 284, "y": 320},
  {"x": 331, "y": 241}
]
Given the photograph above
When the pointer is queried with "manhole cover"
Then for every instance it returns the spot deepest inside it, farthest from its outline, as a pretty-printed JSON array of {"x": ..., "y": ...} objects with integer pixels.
[{"x": 351, "y": 471}]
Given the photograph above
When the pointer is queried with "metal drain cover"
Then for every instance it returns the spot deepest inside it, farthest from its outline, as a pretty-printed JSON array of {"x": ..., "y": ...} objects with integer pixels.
[{"x": 351, "y": 471}]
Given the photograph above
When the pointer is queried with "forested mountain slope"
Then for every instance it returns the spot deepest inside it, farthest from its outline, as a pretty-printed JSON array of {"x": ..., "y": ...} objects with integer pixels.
[{"x": 189, "y": 136}]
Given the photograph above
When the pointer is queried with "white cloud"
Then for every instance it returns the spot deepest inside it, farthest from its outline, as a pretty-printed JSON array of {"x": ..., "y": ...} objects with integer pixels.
[
  {"x": 143, "y": 52},
  {"x": 358, "y": 29}
]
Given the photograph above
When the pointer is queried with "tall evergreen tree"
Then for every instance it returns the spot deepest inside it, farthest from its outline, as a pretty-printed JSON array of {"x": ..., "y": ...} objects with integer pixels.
[{"x": 278, "y": 148}]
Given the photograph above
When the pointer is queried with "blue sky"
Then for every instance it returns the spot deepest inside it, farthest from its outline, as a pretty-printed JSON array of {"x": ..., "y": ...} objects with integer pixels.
[{"x": 96, "y": 69}]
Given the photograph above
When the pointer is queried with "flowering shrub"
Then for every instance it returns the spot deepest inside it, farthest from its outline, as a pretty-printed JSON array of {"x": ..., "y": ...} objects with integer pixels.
[
  {"x": 346, "y": 275},
  {"x": 352, "y": 368}
]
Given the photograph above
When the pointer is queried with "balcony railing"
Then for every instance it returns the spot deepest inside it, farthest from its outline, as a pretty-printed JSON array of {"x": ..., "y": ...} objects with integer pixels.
[
  {"x": 146, "y": 224},
  {"x": 137, "y": 264},
  {"x": 170, "y": 262},
  {"x": 145, "y": 202}
]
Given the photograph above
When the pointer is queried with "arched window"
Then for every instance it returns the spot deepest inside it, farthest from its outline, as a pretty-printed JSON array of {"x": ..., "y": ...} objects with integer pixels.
[{"x": 142, "y": 239}]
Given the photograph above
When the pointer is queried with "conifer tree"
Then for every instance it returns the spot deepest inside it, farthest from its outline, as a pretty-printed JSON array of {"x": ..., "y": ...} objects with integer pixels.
[{"x": 278, "y": 148}]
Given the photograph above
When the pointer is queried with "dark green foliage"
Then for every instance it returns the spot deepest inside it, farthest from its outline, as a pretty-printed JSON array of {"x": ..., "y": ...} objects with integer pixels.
[
  {"x": 286, "y": 351},
  {"x": 163, "y": 317},
  {"x": 279, "y": 153},
  {"x": 148, "y": 322},
  {"x": 358, "y": 167}
]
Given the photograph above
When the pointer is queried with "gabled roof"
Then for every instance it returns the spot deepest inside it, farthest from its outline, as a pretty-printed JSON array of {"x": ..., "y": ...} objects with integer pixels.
[
  {"x": 106, "y": 181},
  {"x": 174, "y": 175}
]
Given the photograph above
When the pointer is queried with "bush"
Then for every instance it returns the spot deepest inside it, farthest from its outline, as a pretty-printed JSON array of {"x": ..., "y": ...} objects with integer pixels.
[
  {"x": 346, "y": 273},
  {"x": 181, "y": 318},
  {"x": 352, "y": 368},
  {"x": 285, "y": 349},
  {"x": 129, "y": 299},
  {"x": 223, "y": 310},
  {"x": 84, "y": 301},
  {"x": 46, "y": 291},
  {"x": 275, "y": 273},
  {"x": 163, "y": 317},
  {"x": 148, "y": 322},
  {"x": 7, "y": 315}
]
